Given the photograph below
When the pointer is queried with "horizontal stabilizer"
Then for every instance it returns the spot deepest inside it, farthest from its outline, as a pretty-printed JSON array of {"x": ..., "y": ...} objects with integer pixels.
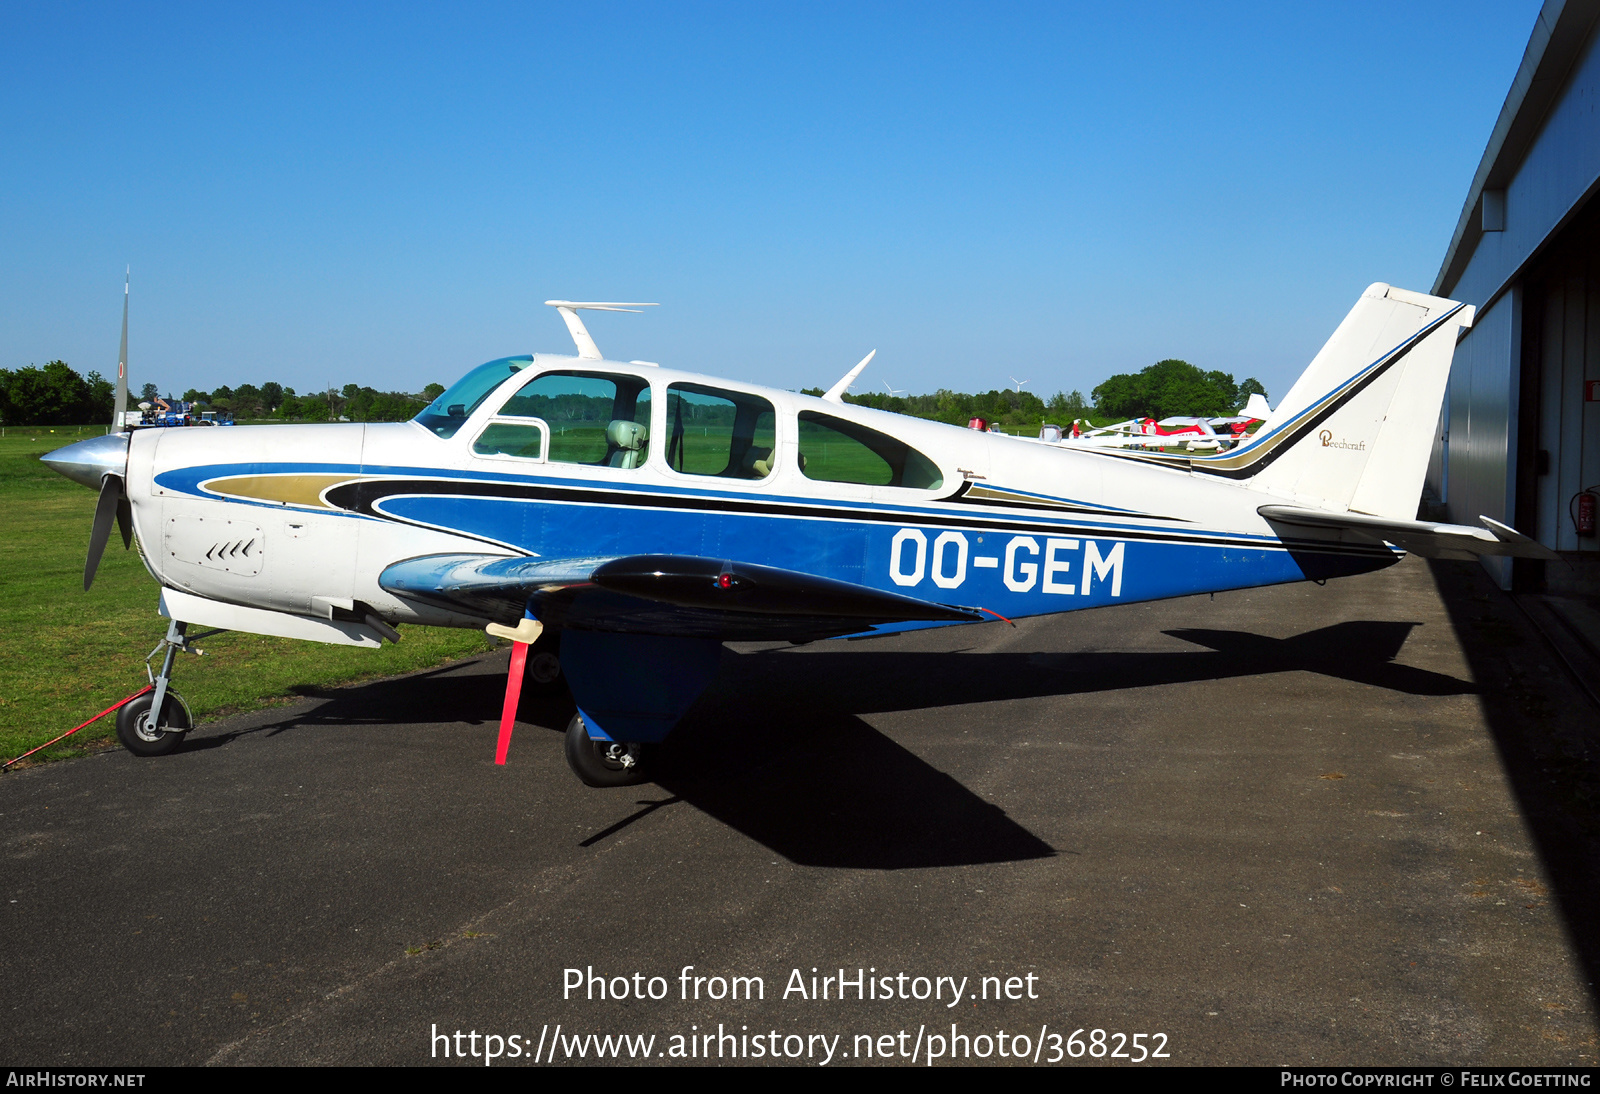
[{"x": 1420, "y": 537}]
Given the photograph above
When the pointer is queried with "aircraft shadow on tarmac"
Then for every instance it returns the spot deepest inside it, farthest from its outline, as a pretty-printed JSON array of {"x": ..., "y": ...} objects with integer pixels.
[
  {"x": 824, "y": 788},
  {"x": 1361, "y": 652},
  {"x": 776, "y": 751}
]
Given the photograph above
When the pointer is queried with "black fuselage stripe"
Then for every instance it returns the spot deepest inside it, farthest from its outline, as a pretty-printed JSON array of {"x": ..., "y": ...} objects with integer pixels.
[{"x": 362, "y": 496}]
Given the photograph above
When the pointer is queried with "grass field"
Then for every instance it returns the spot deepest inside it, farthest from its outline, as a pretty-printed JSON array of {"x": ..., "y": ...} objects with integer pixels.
[{"x": 65, "y": 654}]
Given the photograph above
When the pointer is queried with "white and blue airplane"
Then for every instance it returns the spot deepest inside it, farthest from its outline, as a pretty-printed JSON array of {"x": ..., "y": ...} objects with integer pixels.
[{"x": 618, "y": 521}]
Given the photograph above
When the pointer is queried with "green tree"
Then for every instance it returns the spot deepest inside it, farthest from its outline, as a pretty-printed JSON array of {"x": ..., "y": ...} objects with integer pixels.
[
  {"x": 247, "y": 401},
  {"x": 1167, "y": 388},
  {"x": 53, "y": 395},
  {"x": 102, "y": 398},
  {"x": 1067, "y": 407}
]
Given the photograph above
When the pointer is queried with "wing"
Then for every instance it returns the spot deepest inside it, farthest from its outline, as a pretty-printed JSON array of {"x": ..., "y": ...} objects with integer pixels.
[
  {"x": 677, "y": 595},
  {"x": 1420, "y": 537}
]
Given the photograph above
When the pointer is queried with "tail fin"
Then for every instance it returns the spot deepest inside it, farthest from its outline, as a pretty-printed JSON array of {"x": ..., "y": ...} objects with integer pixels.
[{"x": 1355, "y": 431}]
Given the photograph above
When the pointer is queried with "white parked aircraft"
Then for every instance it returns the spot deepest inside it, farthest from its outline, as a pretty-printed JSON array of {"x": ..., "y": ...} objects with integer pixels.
[{"x": 640, "y": 516}]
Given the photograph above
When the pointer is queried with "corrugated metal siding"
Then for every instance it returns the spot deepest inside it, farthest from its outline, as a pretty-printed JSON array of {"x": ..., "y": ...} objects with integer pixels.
[{"x": 1482, "y": 425}]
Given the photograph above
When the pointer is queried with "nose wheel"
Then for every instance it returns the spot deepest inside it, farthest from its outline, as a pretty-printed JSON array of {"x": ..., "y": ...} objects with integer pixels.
[
  {"x": 145, "y": 734},
  {"x": 602, "y": 763}
]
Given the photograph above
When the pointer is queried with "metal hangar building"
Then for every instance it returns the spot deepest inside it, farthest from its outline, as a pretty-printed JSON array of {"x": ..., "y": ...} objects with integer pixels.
[{"x": 1519, "y": 435}]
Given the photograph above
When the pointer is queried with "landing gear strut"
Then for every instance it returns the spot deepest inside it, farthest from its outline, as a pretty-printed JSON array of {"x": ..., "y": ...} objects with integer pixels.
[
  {"x": 602, "y": 763},
  {"x": 155, "y": 723},
  {"x": 542, "y": 675}
]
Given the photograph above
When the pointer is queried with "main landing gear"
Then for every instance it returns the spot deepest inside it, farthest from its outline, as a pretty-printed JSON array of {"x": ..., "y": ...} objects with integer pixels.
[
  {"x": 602, "y": 763},
  {"x": 542, "y": 674},
  {"x": 155, "y": 723}
]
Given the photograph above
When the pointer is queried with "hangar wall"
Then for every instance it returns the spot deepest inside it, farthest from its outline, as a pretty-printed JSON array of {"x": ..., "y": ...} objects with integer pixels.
[
  {"x": 1517, "y": 440},
  {"x": 1481, "y": 415}
]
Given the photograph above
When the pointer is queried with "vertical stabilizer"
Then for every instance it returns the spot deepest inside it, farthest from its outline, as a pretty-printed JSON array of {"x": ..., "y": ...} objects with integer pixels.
[{"x": 1354, "y": 432}]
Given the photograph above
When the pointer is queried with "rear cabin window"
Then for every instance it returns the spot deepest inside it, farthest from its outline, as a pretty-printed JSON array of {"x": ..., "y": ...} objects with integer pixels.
[
  {"x": 835, "y": 450},
  {"x": 601, "y": 419},
  {"x": 716, "y": 432}
]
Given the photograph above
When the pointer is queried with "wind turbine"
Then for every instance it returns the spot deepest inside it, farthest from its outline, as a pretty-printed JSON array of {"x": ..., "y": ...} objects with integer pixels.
[
  {"x": 893, "y": 391},
  {"x": 1019, "y": 384}
]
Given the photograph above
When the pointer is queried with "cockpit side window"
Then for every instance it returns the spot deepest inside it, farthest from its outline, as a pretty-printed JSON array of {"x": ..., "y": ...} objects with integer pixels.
[
  {"x": 728, "y": 434},
  {"x": 450, "y": 411},
  {"x": 836, "y": 450},
  {"x": 601, "y": 419}
]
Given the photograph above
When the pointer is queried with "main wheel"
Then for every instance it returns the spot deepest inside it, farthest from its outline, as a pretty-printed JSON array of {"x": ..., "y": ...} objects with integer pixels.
[
  {"x": 144, "y": 736},
  {"x": 602, "y": 763},
  {"x": 542, "y": 673}
]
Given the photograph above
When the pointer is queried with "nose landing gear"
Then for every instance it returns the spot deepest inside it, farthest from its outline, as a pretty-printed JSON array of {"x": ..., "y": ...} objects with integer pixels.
[{"x": 155, "y": 723}]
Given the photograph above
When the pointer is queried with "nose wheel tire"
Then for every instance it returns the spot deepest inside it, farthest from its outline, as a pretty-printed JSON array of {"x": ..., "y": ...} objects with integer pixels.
[
  {"x": 602, "y": 763},
  {"x": 144, "y": 735}
]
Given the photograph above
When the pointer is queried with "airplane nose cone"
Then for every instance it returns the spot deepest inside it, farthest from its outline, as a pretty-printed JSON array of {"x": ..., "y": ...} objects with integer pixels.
[{"x": 90, "y": 461}]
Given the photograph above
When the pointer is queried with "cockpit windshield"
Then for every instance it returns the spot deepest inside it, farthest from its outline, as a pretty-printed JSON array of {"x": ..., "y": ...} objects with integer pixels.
[{"x": 450, "y": 411}]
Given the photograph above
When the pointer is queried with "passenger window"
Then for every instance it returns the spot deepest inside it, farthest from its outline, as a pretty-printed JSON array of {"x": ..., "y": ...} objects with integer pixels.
[
  {"x": 593, "y": 418},
  {"x": 716, "y": 432},
  {"x": 835, "y": 450},
  {"x": 524, "y": 440}
]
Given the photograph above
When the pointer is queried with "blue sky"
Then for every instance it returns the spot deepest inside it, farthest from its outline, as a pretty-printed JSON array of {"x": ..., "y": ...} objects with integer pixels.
[{"x": 385, "y": 195}]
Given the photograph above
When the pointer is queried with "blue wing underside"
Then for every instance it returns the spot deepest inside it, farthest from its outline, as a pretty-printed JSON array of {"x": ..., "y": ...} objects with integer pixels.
[{"x": 671, "y": 595}]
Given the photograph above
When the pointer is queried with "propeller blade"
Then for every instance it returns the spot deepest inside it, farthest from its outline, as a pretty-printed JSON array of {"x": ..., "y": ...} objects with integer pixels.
[
  {"x": 105, "y": 511},
  {"x": 125, "y": 521},
  {"x": 120, "y": 397}
]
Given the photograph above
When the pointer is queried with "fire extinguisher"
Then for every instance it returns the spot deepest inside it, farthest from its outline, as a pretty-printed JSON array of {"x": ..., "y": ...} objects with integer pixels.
[{"x": 1585, "y": 516}]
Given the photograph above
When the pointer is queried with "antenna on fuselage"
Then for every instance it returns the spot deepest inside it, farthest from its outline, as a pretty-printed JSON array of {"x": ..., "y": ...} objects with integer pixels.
[
  {"x": 569, "y": 311},
  {"x": 835, "y": 393}
]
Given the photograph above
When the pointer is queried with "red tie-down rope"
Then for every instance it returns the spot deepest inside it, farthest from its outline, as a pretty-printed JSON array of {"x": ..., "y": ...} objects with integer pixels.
[
  {"x": 74, "y": 729},
  {"x": 508, "y": 710}
]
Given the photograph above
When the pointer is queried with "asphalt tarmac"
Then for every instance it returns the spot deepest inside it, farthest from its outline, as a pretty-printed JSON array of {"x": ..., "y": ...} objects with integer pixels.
[{"x": 1341, "y": 824}]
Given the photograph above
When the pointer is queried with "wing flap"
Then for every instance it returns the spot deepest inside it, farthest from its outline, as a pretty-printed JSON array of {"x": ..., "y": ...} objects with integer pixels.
[{"x": 711, "y": 585}]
